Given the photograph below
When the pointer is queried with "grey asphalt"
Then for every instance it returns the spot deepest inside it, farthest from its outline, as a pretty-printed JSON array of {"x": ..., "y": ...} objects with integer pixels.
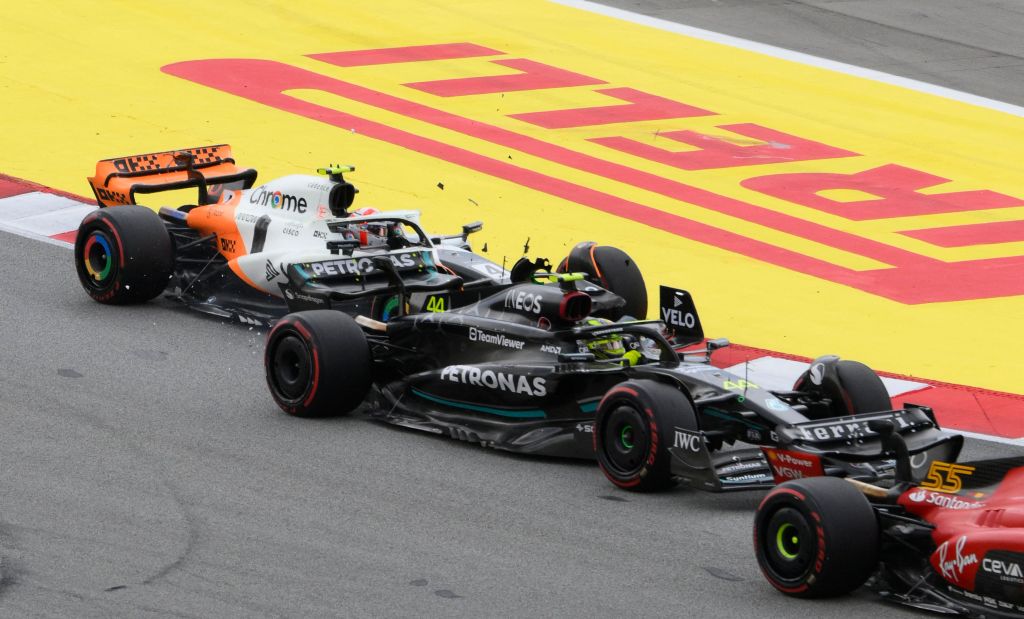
[
  {"x": 973, "y": 46},
  {"x": 144, "y": 471}
]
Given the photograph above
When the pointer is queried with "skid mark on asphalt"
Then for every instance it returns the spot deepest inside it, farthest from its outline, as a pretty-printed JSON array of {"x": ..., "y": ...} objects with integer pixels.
[
  {"x": 722, "y": 574},
  {"x": 441, "y": 593}
]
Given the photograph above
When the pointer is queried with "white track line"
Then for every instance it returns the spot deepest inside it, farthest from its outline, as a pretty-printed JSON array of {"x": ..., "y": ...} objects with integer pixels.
[{"x": 786, "y": 54}]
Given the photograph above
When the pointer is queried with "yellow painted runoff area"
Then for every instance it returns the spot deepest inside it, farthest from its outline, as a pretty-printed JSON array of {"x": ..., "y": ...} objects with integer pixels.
[{"x": 79, "y": 84}]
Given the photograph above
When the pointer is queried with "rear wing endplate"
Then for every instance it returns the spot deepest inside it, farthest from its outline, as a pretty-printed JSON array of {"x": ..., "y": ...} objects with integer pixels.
[{"x": 207, "y": 168}]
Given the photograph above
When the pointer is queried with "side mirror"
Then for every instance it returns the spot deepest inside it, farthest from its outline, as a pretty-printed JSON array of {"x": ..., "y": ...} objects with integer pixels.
[{"x": 472, "y": 227}]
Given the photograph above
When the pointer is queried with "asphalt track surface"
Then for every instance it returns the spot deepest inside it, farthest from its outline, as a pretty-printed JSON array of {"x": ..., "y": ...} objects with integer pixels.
[{"x": 146, "y": 472}]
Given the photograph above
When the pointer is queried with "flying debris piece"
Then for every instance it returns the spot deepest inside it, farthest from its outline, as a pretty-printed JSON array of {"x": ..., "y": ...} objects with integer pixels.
[
  {"x": 526, "y": 246},
  {"x": 475, "y": 203},
  {"x": 484, "y": 249},
  {"x": 440, "y": 185}
]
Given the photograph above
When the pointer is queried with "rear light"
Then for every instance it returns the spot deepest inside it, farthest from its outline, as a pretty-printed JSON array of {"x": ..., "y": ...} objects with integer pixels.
[{"x": 575, "y": 306}]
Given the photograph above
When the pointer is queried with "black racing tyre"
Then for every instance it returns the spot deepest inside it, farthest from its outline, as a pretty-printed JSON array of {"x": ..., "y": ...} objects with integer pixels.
[
  {"x": 318, "y": 363},
  {"x": 633, "y": 430},
  {"x": 614, "y": 270},
  {"x": 816, "y": 537},
  {"x": 857, "y": 390},
  {"x": 123, "y": 254}
]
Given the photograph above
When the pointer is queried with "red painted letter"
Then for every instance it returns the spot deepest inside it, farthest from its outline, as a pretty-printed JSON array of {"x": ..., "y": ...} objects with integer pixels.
[
  {"x": 715, "y": 152},
  {"x": 533, "y": 76},
  {"x": 896, "y": 187},
  {"x": 641, "y": 106}
]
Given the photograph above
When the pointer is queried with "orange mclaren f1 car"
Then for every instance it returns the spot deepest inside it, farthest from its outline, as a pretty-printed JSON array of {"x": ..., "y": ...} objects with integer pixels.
[{"x": 256, "y": 252}]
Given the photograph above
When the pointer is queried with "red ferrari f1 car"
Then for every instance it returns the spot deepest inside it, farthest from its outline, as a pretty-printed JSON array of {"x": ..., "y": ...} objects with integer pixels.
[{"x": 952, "y": 543}]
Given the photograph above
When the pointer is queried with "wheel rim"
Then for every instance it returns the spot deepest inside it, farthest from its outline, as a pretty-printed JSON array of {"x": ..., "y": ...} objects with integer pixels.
[
  {"x": 789, "y": 544},
  {"x": 290, "y": 367},
  {"x": 787, "y": 541},
  {"x": 99, "y": 261},
  {"x": 626, "y": 437},
  {"x": 626, "y": 441}
]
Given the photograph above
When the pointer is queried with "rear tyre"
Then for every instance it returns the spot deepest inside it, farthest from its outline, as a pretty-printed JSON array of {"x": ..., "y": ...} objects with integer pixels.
[
  {"x": 816, "y": 537},
  {"x": 614, "y": 270},
  {"x": 123, "y": 255},
  {"x": 855, "y": 388},
  {"x": 633, "y": 432},
  {"x": 318, "y": 363}
]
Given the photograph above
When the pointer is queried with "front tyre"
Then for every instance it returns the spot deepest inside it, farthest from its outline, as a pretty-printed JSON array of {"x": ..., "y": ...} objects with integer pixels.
[
  {"x": 816, "y": 537},
  {"x": 633, "y": 431},
  {"x": 850, "y": 389},
  {"x": 123, "y": 255},
  {"x": 614, "y": 270},
  {"x": 318, "y": 363}
]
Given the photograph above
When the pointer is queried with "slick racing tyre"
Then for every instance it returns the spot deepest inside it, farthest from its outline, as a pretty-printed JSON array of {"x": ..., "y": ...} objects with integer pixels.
[
  {"x": 852, "y": 388},
  {"x": 816, "y": 537},
  {"x": 633, "y": 431},
  {"x": 317, "y": 363},
  {"x": 123, "y": 255},
  {"x": 613, "y": 270}
]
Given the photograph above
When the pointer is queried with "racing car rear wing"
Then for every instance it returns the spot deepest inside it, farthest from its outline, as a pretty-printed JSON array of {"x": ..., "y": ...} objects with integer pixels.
[
  {"x": 854, "y": 438},
  {"x": 207, "y": 168}
]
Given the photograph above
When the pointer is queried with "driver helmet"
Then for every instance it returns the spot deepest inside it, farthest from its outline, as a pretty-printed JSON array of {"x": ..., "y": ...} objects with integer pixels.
[
  {"x": 370, "y": 233},
  {"x": 604, "y": 347}
]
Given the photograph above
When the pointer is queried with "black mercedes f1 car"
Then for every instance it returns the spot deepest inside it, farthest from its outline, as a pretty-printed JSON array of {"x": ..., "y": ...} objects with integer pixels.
[
  {"x": 950, "y": 541},
  {"x": 530, "y": 370}
]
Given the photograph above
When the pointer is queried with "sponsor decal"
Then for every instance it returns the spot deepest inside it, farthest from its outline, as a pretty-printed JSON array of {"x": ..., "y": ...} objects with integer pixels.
[
  {"x": 488, "y": 269},
  {"x": 107, "y": 195},
  {"x": 228, "y": 245},
  {"x": 437, "y": 303},
  {"x": 739, "y": 479},
  {"x": 246, "y": 218},
  {"x": 356, "y": 266},
  {"x": 290, "y": 231},
  {"x": 321, "y": 212},
  {"x": 272, "y": 271},
  {"x": 786, "y": 465},
  {"x": 939, "y": 499},
  {"x": 319, "y": 186},
  {"x": 739, "y": 467},
  {"x": 277, "y": 200},
  {"x": 522, "y": 301},
  {"x": 498, "y": 381},
  {"x": 677, "y": 318},
  {"x": 697, "y": 369},
  {"x": 776, "y": 404},
  {"x": 1004, "y": 569},
  {"x": 738, "y": 385},
  {"x": 832, "y": 430},
  {"x": 945, "y": 476},
  {"x": 292, "y": 295},
  {"x": 319, "y": 234},
  {"x": 690, "y": 441},
  {"x": 585, "y": 428},
  {"x": 550, "y": 348},
  {"x": 952, "y": 565},
  {"x": 754, "y": 435},
  {"x": 498, "y": 339}
]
